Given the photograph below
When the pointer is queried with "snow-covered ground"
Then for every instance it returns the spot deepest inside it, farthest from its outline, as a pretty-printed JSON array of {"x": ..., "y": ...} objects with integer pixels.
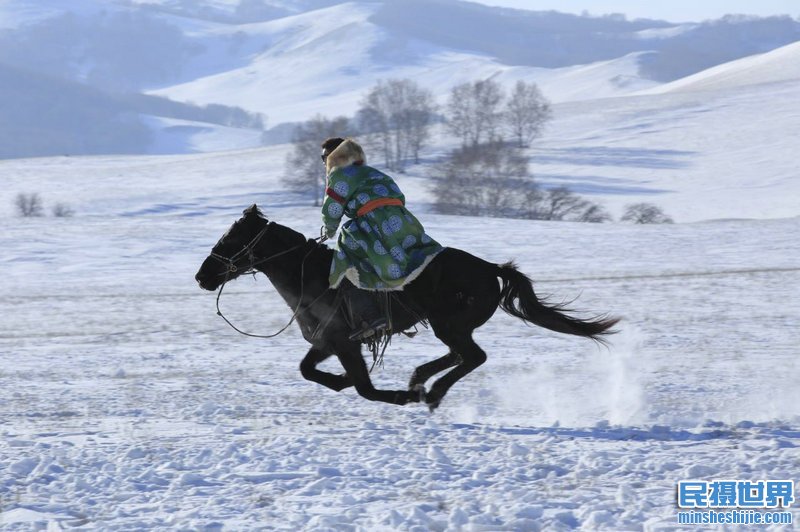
[{"x": 126, "y": 403}]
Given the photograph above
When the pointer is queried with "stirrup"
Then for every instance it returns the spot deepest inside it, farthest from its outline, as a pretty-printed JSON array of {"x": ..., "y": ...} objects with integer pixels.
[{"x": 368, "y": 330}]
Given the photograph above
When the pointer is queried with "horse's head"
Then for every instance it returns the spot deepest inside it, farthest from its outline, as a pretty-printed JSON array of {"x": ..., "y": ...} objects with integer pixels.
[{"x": 233, "y": 254}]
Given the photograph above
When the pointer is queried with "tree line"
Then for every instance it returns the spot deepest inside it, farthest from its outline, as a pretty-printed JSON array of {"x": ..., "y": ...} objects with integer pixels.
[
  {"x": 395, "y": 116},
  {"x": 487, "y": 175},
  {"x": 30, "y": 205}
]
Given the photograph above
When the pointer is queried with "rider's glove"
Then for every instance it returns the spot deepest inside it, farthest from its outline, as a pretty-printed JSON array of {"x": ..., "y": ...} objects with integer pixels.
[{"x": 326, "y": 233}]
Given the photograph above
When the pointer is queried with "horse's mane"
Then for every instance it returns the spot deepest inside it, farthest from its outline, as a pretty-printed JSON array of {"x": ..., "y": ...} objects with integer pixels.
[
  {"x": 318, "y": 254},
  {"x": 289, "y": 236}
]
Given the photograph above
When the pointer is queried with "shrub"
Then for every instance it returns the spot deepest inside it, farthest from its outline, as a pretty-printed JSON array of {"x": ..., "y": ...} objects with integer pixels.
[
  {"x": 62, "y": 210},
  {"x": 29, "y": 205},
  {"x": 645, "y": 213}
]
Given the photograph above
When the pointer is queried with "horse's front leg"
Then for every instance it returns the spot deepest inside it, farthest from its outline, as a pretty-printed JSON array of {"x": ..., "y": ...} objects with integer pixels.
[
  {"x": 308, "y": 367},
  {"x": 356, "y": 368}
]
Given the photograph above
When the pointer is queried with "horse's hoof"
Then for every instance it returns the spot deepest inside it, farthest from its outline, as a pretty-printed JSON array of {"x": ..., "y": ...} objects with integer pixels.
[
  {"x": 433, "y": 406},
  {"x": 419, "y": 390}
]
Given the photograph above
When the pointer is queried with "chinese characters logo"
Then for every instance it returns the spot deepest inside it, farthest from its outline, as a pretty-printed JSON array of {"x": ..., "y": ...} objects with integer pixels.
[{"x": 735, "y": 494}]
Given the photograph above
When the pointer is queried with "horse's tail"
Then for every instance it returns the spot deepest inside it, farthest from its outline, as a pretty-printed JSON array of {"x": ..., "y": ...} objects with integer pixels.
[{"x": 518, "y": 299}]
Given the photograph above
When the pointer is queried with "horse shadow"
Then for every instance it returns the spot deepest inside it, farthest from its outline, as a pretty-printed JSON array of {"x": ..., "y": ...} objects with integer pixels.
[{"x": 602, "y": 431}]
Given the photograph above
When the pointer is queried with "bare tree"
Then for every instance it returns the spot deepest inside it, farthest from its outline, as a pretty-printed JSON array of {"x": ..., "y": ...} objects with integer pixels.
[
  {"x": 461, "y": 112},
  {"x": 473, "y": 111},
  {"x": 532, "y": 200},
  {"x": 492, "y": 179},
  {"x": 29, "y": 205},
  {"x": 420, "y": 117},
  {"x": 482, "y": 180},
  {"x": 306, "y": 172},
  {"x": 594, "y": 213},
  {"x": 373, "y": 129},
  {"x": 561, "y": 204},
  {"x": 488, "y": 98},
  {"x": 395, "y": 117},
  {"x": 645, "y": 213},
  {"x": 526, "y": 113}
]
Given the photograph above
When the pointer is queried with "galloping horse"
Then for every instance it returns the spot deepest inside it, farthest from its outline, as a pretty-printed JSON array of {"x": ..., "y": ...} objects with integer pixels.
[{"x": 456, "y": 293}]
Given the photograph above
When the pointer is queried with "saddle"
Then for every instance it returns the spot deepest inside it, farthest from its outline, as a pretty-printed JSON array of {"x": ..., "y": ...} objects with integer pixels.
[{"x": 369, "y": 315}]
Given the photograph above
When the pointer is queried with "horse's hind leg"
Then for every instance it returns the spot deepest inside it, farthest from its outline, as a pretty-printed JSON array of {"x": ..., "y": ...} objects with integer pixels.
[
  {"x": 308, "y": 367},
  {"x": 471, "y": 355},
  {"x": 429, "y": 369}
]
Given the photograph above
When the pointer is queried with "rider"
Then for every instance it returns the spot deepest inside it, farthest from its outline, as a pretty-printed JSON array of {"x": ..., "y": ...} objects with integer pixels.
[{"x": 382, "y": 247}]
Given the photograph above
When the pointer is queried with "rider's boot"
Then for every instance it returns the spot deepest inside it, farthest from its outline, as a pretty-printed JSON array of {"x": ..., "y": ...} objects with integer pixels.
[{"x": 369, "y": 318}]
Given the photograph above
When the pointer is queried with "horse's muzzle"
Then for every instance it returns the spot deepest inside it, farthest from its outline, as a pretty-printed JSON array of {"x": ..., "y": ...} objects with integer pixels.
[{"x": 204, "y": 281}]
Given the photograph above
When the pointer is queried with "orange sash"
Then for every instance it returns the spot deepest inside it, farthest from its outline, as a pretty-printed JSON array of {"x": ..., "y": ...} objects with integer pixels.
[{"x": 380, "y": 202}]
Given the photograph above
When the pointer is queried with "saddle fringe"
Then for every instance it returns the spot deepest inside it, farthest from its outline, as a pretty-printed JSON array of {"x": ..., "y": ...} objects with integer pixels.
[{"x": 379, "y": 342}]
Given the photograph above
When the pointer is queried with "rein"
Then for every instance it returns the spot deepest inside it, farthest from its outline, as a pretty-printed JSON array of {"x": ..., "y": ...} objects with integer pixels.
[{"x": 249, "y": 249}]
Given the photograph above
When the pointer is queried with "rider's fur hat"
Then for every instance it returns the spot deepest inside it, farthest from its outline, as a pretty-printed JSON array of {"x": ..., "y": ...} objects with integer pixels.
[{"x": 346, "y": 153}]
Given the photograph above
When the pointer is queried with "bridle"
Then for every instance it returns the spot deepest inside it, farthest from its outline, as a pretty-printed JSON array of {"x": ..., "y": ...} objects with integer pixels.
[
  {"x": 231, "y": 268},
  {"x": 230, "y": 262}
]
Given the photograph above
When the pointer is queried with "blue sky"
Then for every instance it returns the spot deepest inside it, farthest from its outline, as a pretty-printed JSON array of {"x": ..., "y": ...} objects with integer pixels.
[{"x": 674, "y": 10}]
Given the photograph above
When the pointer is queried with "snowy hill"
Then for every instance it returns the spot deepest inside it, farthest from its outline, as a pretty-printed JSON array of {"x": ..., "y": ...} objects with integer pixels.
[
  {"x": 700, "y": 155},
  {"x": 324, "y": 62},
  {"x": 782, "y": 64},
  {"x": 726, "y": 153},
  {"x": 291, "y": 60}
]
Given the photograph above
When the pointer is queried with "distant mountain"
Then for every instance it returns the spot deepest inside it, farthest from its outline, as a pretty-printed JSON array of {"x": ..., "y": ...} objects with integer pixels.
[
  {"x": 545, "y": 39},
  {"x": 323, "y": 61},
  {"x": 119, "y": 49},
  {"x": 290, "y": 60},
  {"x": 550, "y": 39},
  {"x": 42, "y": 115}
]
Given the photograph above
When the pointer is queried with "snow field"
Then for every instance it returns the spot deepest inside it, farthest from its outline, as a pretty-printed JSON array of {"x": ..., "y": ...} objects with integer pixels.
[{"x": 128, "y": 403}]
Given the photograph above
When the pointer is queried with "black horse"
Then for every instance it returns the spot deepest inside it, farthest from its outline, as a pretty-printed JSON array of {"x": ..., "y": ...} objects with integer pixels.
[{"x": 456, "y": 293}]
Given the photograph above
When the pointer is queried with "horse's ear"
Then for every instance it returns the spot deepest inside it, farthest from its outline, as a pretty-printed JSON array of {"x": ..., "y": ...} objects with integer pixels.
[{"x": 252, "y": 209}]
